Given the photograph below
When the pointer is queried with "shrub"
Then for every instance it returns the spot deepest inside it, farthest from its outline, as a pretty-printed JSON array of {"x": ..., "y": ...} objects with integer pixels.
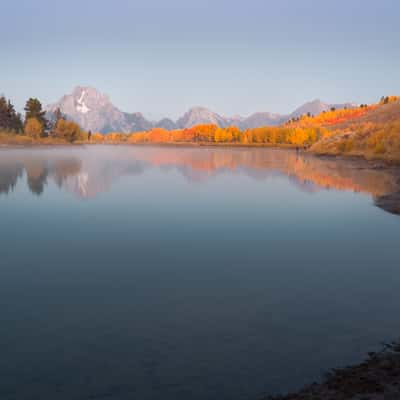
[{"x": 69, "y": 131}]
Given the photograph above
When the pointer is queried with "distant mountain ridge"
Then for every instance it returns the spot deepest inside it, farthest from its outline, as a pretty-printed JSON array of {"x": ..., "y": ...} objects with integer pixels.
[
  {"x": 317, "y": 106},
  {"x": 94, "y": 111}
]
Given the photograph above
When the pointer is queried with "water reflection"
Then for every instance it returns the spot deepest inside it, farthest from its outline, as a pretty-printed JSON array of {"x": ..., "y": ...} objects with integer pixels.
[
  {"x": 195, "y": 273},
  {"x": 38, "y": 168},
  {"x": 88, "y": 171},
  {"x": 9, "y": 174}
]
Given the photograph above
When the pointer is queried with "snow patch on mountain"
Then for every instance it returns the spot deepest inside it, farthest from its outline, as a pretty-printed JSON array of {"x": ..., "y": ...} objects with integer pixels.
[{"x": 82, "y": 107}]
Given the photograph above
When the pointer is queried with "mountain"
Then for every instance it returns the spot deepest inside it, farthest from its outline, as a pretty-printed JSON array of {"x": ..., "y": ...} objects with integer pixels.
[
  {"x": 317, "y": 106},
  {"x": 166, "y": 123},
  {"x": 94, "y": 111},
  {"x": 261, "y": 119},
  {"x": 200, "y": 115},
  {"x": 136, "y": 122}
]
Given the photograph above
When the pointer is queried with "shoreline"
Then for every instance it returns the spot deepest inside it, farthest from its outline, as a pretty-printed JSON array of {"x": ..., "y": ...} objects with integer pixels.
[
  {"x": 376, "y": 378},
  {"x": 389, "y": 162}
]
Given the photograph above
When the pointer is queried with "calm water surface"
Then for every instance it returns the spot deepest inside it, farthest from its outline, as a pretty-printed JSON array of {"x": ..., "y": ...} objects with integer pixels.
[{"x": 185, "y": 273}]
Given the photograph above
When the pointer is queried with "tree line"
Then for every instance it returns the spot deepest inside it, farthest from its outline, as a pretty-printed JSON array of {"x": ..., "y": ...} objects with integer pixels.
[
  {"x": 212, "y": 134},
  {"x": 304, "y": 130},
  {"x": 35, "y": 124}
]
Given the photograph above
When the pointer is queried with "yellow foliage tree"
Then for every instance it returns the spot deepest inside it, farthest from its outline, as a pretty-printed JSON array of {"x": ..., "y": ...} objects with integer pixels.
[
  {"x": 69, "y": 131},
  {"x": 33, "y": 128}
]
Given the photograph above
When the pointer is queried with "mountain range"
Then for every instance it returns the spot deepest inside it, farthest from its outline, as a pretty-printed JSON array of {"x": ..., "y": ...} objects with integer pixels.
[{"x": 94, "y": 111}]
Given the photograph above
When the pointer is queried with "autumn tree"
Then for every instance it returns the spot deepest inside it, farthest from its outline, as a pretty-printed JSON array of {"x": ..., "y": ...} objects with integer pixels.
[
  {"x": 115, "y": 137},
  {"x": 69, "y": 131},
  {"x": 226, "y": 135},
  {"x": 98, "y": 137},
  {"x": 55, "y": 117},
  {"x": 33, "y": 109},
  {"x": 33, "y": 128}
]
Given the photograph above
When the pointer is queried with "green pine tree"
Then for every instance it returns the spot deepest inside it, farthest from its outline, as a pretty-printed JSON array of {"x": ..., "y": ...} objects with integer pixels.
[{"x": 33, "y": 109}]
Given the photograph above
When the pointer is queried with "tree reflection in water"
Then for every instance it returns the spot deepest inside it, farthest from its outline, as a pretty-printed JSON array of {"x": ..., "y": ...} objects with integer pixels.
[{"x": 93, "y": 170}]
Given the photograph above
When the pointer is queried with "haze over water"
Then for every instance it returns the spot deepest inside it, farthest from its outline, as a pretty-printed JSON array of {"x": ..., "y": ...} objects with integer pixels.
[{"x": 190, "y": 273}]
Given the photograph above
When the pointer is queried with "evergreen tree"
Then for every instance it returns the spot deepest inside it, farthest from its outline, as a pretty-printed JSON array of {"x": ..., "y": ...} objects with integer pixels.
[
  {"x": 15, "y": 119},
  {"x": 56, "y": 116},
  {"x": 3, "y": 113},
  {"x": 33, "y": 109},
  {"x": 10, "y": 120}
]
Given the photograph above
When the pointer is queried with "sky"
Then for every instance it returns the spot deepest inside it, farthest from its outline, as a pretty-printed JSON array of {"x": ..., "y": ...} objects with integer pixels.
[{"x": 161, "y": 57}]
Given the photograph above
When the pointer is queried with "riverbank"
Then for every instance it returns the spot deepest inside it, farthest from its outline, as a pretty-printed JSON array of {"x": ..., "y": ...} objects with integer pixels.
[
  {"x": 13, "y": 140},
  {"x": 317, "y": 151},
  {"x": 377, "y": 378},
  {"x": 336, "y": 147},
  {"x": 18, "y": 141}
]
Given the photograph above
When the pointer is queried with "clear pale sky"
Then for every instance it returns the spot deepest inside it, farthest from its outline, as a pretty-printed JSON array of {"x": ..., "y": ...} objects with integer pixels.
[{"x": 236, "y": 57}]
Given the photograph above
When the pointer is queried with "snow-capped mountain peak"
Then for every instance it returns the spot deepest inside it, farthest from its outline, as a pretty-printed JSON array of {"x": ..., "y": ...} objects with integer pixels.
[{"x": 94, "y": 111}]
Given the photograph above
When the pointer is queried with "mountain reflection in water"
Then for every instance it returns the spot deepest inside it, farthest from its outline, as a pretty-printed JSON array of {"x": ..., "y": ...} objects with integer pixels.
[{"x": 89, "y": 171}]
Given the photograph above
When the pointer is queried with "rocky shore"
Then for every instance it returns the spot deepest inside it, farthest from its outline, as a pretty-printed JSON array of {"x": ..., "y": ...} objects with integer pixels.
[{"x": 377, "y": 378}]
